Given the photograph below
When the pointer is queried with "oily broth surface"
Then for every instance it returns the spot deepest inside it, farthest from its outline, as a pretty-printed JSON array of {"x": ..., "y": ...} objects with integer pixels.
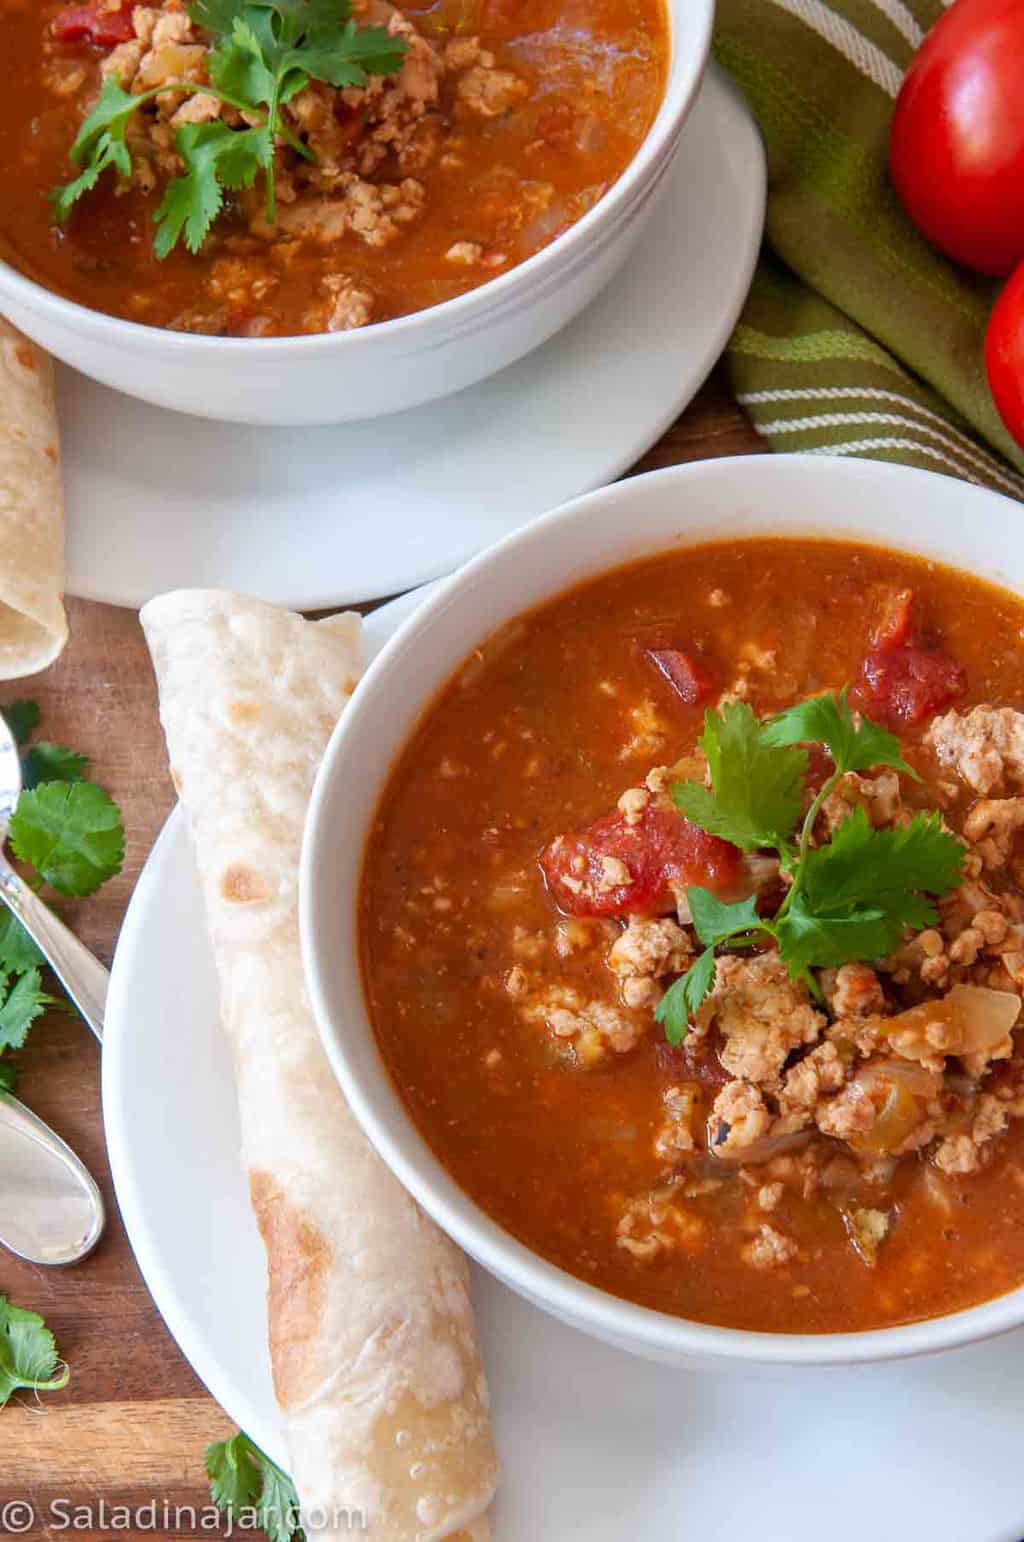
[{"x": 529, "y": 741}]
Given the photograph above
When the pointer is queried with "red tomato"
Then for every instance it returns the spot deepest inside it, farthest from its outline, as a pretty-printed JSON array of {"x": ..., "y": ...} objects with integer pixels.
[
  {"x": 899, "y": 622},
  {"x": 685, "y": 673},
  {"x": 91, "y": 24},
  {"x": 956, "y": 150},
  {"x": 661, "y": 850},
  {"x": 1004, "y": 355},
  {"x": 906, "y": 684}
]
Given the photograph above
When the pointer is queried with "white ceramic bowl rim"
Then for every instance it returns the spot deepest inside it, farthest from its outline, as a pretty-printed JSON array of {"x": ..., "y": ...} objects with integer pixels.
[
  {"x": 760, "y": 481},
  {"x": 686, "y": 69}
]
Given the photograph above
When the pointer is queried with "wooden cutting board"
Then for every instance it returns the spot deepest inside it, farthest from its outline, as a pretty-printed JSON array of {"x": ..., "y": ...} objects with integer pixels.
[{"x": 131, "y": 1427}]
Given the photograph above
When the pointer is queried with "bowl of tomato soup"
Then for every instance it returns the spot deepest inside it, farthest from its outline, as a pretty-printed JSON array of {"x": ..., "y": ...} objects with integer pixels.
[
  {"x": 662, "y": 912},
  {"x": 443, "y": 193}
]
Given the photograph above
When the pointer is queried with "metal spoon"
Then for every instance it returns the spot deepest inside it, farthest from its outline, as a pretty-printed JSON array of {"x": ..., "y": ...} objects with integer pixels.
[{"x": 51, "y": 1211}]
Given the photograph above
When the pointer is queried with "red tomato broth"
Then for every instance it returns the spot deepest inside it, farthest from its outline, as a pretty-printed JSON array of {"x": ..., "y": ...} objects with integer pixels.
[{"x": 527, "y": 743}]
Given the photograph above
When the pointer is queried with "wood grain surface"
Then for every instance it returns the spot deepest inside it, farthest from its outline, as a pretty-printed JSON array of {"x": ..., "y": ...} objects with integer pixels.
[{"x": 131, "y": 1427}]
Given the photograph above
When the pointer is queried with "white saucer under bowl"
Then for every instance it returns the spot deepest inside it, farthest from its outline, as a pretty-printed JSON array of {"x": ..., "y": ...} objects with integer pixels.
[
  {"x": 596, "y": 1445},
  {"x": 315, "y": 517}
]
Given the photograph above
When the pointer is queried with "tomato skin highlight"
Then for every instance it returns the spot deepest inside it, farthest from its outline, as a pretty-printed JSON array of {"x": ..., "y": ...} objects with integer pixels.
[
  {"x": 956, "y": 148},
  {"x": 905, "y": 684},
  {"x": 661, "y": 850},
  {"x": 1004, "y": 354},
  {"x": 89, "y": 24},
  {"x": 898, "y": 625},
  {"x": 686, "y": 673}
]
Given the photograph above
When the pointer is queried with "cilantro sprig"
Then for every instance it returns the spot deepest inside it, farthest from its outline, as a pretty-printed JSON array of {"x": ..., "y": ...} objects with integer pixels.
[
  {"x": 28, "y": 1354},
  {"x": 265, "y": 53},
  {"x": 848, "y": 900},
  {"x": 244, "y": 1479},
  {"x": 68, "y": 833}
]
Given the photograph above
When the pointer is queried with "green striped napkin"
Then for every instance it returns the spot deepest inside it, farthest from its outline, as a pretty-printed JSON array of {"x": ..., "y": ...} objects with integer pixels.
[{"x": 858, "y": 338}]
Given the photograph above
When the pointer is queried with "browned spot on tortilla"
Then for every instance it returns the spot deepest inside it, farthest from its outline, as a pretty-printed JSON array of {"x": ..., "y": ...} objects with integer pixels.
[
  {"x": 243, "y": 885},
  {"x": 349, "y": 687},
  {"x": 298, "y": 1258},
  {"x": 244, "y": 711},
  {"x": 25, "y": 357},
  {"x": 51, "y": 453}
]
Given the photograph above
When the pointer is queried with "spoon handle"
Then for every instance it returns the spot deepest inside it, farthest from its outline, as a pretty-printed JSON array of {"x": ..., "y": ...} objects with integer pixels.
[{"x": 81, "y": 974}]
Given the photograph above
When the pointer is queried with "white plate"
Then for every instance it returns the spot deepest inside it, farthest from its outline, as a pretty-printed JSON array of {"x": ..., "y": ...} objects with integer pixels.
[
  {"x": 315, "y": 517},
  {"x": 597, "y": 1446}
]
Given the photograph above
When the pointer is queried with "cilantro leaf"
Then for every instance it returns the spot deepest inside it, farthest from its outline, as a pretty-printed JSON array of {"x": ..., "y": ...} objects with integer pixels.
[
  {"x": 828, "y": 720},
  {"x": 235, "y": 1480},
  {"x": 110, "y": 114},
  {"x": 17, "y": 950},
  {"x": 862, "y": 864},
  {"x": 22, "y": 718},
  {"x": 359, "y": 53},
  {"x": 237, "y": 64},
  {"x": 22, "y": 1004},
  {"x": 100, "y": 143},
  {"x": 71, "y": 833},
  {"x": 8, "y": 1076},
  {"x": 242, "y": 1477},
  {"x": 279, "y": 1504},
  {"x": 757, "y": 787},
  {"x": 714, "y": 921},
  {"x": 28, "y": 1353},
  {"x": 807, "y": 940},
  {"x": 110, "y": 150},
  {"x": 317, "y": 20},
  {"x": 47, "y": 762},
  {"x": 217, "y": 16},
  {"x": 678, "y": 1007},
  {"x": 857, "y": 895},
  {"x": 216, "y": 157}
]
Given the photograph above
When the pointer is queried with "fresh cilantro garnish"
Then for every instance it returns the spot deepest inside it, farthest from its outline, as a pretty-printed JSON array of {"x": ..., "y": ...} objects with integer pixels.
[
  {"x": 71, "y": 833},
  {"x": 828, "y": 720},
  {"x": 22, "y": 718},
  {"x": 100, "y": 143},
  {"x": 266, "y": 51},
  {"x": 757, "y": 787},
  {"x": 678, "y": 1007},
  {"x": 218, "y": 158},
  {"x": 28, "y": 1354},
  {"x": 714, "y": 921},
  {"x": 242, "y": 1477},
  {"x": 23, "y": 1002},
  {"x": 17, "y": 950},
  {"x": 848, "y": 900},
  {"x": 52, "y": 763}
]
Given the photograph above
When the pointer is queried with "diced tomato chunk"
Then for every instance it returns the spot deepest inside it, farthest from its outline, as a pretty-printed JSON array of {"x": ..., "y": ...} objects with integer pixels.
[
  {"x": 686, "y": 673},
  {"x": 91, "y": 24},
  {"x": 898, "y": 625},
  {"x": 904, "y": 685},
  {"x": 662, "y": 850}
]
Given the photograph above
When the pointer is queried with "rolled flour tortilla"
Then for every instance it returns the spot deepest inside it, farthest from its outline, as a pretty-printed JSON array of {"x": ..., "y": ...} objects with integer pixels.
[
  {"x": 33, "y": 627},
  {"x": 372, "y": 1337}
]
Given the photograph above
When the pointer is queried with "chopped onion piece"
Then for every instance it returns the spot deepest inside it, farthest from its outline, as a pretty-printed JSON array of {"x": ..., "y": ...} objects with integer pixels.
[
  {"x": 968, "y": 1020},
  {"x": 762, "y": 1150}
]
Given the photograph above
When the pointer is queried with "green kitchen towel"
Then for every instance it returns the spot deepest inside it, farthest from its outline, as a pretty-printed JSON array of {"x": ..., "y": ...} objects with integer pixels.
[{"x": 858, "y": 338}]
